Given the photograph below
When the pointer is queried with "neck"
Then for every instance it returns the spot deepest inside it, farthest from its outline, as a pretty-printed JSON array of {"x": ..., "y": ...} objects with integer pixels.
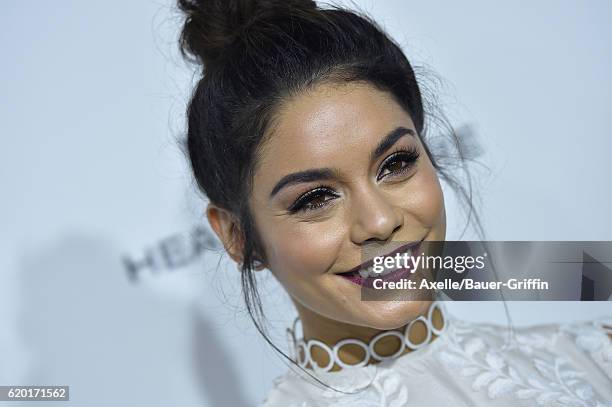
[{"x": 319, "y": 329}]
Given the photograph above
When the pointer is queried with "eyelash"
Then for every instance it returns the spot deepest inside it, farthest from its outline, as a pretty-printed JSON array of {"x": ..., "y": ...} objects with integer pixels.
[
  {"x": 301, "y": 204},
  {"x": 408, "y": 155}
]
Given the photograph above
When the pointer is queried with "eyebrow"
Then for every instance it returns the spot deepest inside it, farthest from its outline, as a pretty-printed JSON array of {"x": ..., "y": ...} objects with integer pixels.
[
  {"x": 302, "y": 176},
  {"x": 318, "y": 174},
  {"x": 390, "y": 139}
]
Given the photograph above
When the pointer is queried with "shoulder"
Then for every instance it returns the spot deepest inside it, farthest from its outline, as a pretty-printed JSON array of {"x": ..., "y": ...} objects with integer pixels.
[
  {"x": 338, "y": 389},
  {"x": 564, "y": 363},
  {"x": 592, "y": 337},
  {"x": 477, "y": 364},
  {"x": 289, "y": 390}
]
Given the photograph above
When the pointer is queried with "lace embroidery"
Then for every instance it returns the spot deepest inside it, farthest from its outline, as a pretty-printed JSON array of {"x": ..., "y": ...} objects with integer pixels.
[
  {"x": 553, "y": 378},
  {"x": 388, "y": 389},
  {"x": 536, "y": 374},
  {"x": 594, "y": 338}
]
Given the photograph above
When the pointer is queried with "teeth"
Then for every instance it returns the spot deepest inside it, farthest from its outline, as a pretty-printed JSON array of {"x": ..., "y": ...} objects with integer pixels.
[{"x": 369, "y": 272}]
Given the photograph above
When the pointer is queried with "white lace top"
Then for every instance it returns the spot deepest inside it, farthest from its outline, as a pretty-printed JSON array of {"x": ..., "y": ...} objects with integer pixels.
[{"x": 549, "y": 365}]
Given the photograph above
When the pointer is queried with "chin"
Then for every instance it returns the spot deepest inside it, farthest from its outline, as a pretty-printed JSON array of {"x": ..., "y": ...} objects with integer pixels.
[{"x": 387, "y": 315}]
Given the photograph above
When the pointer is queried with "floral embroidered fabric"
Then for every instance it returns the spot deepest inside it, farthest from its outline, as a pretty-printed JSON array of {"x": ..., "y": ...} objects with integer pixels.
[{"x": 473, "y": 364}]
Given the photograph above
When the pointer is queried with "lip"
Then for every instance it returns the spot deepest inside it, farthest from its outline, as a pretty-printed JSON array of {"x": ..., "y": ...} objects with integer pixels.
[
  {"x": 400, "y": 249},
  {"x": 368, "y": 282}
]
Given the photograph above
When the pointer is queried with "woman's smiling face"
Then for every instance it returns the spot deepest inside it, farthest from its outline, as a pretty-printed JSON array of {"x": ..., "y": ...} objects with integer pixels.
[{"x": 342, "y": 169}]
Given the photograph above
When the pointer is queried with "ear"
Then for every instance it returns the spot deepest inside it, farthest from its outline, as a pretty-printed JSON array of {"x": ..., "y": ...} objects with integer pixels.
[{"x": 227, "y": 228}]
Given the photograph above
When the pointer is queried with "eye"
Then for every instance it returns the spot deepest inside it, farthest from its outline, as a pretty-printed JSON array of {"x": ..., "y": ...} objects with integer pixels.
[
  {"x": 313, "y": 200},
  {"x": 398, "y": 163}
]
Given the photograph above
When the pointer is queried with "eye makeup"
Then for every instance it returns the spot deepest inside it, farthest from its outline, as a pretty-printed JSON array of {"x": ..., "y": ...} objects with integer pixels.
[
  {"x": 406, "y": 155},
  {"x": 396, "y": 164},
  {"x": 312, "y": 199}
]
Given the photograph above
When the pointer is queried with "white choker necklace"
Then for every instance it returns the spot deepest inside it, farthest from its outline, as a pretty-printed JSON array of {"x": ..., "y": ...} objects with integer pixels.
[{"x": 302, "y": 350}]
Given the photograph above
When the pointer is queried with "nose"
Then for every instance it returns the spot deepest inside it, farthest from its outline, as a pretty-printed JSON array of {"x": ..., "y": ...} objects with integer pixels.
[{"x": 373, "y": 216}]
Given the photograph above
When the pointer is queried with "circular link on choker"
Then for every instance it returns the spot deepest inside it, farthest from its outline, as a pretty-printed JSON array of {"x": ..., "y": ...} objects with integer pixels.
[
  {"x": 302, "y": 350},
  {"x": 382, "y": 335},
  {"x": 306, "y": 361},
  {"x": 440, "y": 306},
  {"x": 350, "y": 342},
  {"x": 314, "y": 342},
  {"x": 428, "y": 328}
]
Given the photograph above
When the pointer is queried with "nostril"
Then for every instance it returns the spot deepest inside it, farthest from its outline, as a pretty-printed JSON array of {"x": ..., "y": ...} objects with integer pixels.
[{"x": 397, "y": 228}]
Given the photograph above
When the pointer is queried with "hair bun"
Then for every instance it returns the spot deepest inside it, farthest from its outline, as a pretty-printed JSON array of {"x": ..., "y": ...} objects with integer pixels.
[{"x": 212, "y": 25}]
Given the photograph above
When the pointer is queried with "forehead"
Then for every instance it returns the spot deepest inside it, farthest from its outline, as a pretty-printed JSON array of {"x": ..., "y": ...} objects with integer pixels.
[{"x": 329, "y": 126}]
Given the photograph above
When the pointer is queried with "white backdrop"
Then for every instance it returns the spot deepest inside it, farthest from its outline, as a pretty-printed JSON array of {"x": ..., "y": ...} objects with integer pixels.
[{"x": 92, "y": 103}]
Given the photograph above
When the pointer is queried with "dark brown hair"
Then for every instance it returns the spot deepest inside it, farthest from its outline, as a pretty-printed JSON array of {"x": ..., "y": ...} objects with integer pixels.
[{"x": 254, "y": 56}]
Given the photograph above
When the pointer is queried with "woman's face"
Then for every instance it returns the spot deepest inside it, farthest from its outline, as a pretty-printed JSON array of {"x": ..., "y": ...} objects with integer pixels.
[{"x": 338, "y": 174}]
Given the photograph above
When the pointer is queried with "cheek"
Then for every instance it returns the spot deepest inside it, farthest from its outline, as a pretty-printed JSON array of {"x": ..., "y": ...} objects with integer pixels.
[
  {"x": 424, "y": 198},
  {"x": 298, "y": 252}
]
